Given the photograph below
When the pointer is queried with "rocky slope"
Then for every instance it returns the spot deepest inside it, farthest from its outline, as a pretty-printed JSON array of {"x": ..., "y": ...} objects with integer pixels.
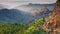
[{"x": 52, "y": 25}]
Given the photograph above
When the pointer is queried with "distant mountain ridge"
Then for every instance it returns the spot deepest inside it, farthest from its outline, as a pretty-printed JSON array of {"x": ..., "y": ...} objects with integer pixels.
[
  {"x": 14, "y": 15},
  {"x": 25, "y": 13},
  {"x": 30, "y": 5}
]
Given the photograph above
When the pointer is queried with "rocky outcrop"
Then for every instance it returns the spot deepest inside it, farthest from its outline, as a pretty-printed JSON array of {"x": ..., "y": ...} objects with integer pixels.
[{"x": 52, "y": 25}]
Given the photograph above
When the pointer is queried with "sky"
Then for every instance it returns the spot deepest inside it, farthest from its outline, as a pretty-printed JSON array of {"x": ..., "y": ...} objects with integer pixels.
[
  {"x": 29, "y": 0},
  {"x": 14, "y": 3}
]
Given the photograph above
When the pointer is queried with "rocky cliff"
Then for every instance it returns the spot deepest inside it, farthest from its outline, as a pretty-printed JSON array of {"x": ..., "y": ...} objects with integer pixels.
[{"x": 52, "y": 25}]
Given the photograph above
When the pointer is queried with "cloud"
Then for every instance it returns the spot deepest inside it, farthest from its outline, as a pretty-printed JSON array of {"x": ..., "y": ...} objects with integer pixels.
[
  {"x": 31, "y": 1},
  {"x": 38, "y": 1},
  {"x": 13, "y": 3}
]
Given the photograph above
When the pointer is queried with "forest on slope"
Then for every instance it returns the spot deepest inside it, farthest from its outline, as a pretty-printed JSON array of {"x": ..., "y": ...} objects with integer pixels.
[{"x": 17, "y": 28}]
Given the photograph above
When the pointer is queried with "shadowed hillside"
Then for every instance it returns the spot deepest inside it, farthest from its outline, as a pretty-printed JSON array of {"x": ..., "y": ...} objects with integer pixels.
[{"x": 14, "y": 15}]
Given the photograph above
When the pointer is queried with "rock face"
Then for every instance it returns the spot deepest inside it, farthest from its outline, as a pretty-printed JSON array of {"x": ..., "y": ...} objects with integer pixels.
[{"x": 52, "y": 25}]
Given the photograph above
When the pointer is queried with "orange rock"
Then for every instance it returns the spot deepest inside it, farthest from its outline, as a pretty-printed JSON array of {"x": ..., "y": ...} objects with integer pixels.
[{"x": 53, "y": 22}]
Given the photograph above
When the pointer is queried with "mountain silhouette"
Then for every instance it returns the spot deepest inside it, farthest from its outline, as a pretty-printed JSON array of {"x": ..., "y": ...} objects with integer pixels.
[{"x": 14, "y": 15}]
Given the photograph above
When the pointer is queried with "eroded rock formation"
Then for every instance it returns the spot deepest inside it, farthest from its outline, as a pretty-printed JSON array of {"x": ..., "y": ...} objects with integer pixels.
[{"x": 52, "y": 25}]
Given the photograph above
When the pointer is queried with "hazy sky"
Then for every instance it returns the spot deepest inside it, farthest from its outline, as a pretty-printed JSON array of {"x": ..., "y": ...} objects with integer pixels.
[
  {"x": 29, "y": 0},
  {"x": 35, "y": 1},
  {"x": 14, "y": 3}
]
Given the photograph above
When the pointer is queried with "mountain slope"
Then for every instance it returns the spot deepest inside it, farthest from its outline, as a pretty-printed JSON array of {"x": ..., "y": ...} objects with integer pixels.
[
  {"x": 14, "y": 15},
  {"x": 52, "y": 25}
]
